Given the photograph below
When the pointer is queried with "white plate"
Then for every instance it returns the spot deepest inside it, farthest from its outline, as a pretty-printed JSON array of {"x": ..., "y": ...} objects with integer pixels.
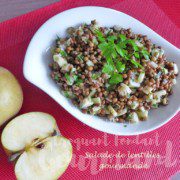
[{"x": 38, "y": 57}]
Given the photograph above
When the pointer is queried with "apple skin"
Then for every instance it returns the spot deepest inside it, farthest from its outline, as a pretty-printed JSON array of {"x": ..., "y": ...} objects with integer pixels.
[{"x": 11, "y": 95}]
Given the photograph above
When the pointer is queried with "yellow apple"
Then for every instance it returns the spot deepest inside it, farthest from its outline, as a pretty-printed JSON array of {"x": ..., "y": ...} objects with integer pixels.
[{"x": 11, "y": 95}]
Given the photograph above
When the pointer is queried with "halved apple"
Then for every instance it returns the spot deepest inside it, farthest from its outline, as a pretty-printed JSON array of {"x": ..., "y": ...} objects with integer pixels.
[{"x": 33, "y": 141}]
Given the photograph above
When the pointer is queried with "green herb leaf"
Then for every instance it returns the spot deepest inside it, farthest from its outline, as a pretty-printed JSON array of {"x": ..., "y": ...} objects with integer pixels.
[
  {"x": 129, "y": 116},
  {"x": 108, "y": 50},
  {"x": 103, "y": 46},
  {"x": 108, "y": 68},
  {"x": 79, "y": 81},
  {"x": 122, "y": 45},
  {"x": 96, "y": 75},
  {"x": 122, "y": 37},
  {"x": 136, "y": 54},
  {"x": 75, "y": 77},
  {"x": 116, "y": 78},
  {"x": 121, "y": 52},
  {"x": 114, "y": 53},
  {"x": 66, "y": 93},
  {"x": 136, "y": 64},
  {"x": 110, "y": 62},
  {"x": 111, "y": 38},
  {"x": 145, "y": 54},
  {"x": 71, "y": 79},
  {"x": 63, "y": 53},
  {"x": 56, "y": 77},
  {"x": 98, "y": 32},
  {"x": 80, "y": 57},
  {"x": 134, "y": 45},
  {"x": 99, "y": 35},
  {"x": 128, "y": 56},
  {"x": 69, "y": 94},
  {"x": 120, "y": 66},
  {"x": 110, "y": 87},
  {"x": 67, "y": 76},
  {"x": 155, "y": 105}
]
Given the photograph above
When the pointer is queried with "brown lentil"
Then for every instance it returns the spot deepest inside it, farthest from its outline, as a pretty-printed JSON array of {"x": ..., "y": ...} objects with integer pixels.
[{"x": 81, "y": 47}]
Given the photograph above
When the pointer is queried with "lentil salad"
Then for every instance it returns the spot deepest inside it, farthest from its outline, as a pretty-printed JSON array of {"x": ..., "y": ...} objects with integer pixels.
[{"x": 112, "y": 72}]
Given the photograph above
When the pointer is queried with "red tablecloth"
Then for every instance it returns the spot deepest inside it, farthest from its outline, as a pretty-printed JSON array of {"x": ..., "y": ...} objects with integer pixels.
[{"x": 15, "y": 35}]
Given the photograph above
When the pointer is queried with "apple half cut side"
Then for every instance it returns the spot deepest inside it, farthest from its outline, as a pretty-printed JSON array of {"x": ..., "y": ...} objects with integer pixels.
[{"x": 34, "y": 143}]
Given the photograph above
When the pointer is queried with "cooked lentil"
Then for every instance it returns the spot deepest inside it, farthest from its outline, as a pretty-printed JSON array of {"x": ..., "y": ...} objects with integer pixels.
[{"x": 112, "y": 72}]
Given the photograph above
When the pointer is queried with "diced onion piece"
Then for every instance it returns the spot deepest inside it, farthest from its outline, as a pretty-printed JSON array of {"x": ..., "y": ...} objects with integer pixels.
[
  {"x": 134, "y": 104},
  {"x": 153, "y": 64},
  {"x": 113, "y": 112},
  {"x": 147, "y": 89},
  {"x": 71, "y": 80},
  {"x": 175, "y": 69},
  {"x": 60, "y": 60},
  {"x": 155, "y": 53},
  {"x": 122, "y": 112},
  {"x": 96, "y": 100},
  {"x": 90, "y": 101},
  {"x": 139, "y": 44},
  {"x": 106, "y": 110},
  {"x": 174, "y": 81},
  {"x": 92, "y": 92},
  {"x": 164, "y": 70},
  {"x": 159, "y": 94},
  {"x": 117, "y": 28},
  {"x": 165, "y": 101},
  {"x": 154, "y": 104},
  {"x": 62, "y": 46},
  {"x": 68, "y": 42},
  {"x": 161, "y": 52},
  {"x": 134, "y": 84},
  {"x": 142, "y": 113},
  {"x": 141, "y": 77},
  {"x": 89, "y": 63},
  {"x": 107, "y": 85},
  {"x": 73, "y": 69},
  {"x": 66, "y": 67},
  {"x": 68, "y": 94},
  {"x": 95, "y": 41},
  {"x": 95, "y": 109},
  {"x": 149, "y": 97},
  {"x": 133, "y": 117},
  {"x": 107, "y": 31},
  {"x": 124, "y": 90},
  {"x": 164, "y": 81},
  {"x": 86, "y": 103}
]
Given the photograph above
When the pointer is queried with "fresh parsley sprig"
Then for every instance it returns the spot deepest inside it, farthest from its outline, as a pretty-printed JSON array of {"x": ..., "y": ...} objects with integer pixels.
[{"x": 115, "y": 50}]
